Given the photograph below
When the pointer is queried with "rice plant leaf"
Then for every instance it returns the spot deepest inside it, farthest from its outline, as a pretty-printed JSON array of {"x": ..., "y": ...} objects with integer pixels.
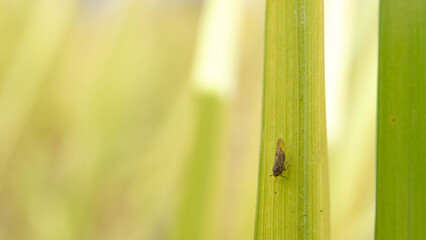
[
  {"x": 295, "y": 207},
  {"x": 401, "y": 136}
]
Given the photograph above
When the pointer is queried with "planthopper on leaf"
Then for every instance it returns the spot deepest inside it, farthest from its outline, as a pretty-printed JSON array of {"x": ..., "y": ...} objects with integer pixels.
[{"x": 280, "y": 164}]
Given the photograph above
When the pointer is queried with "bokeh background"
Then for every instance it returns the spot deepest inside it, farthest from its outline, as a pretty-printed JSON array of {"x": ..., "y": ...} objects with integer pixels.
[{"x": 140, "y": 119}]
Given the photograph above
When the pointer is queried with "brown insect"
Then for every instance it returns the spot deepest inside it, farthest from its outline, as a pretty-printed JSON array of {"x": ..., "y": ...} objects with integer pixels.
[{"x": 280, "y": 164}]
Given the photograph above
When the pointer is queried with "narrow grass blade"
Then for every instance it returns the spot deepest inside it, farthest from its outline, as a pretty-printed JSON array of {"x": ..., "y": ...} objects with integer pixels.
[
  {"x": 294, "y": 109},
  {"x": 401, "y": 136}
]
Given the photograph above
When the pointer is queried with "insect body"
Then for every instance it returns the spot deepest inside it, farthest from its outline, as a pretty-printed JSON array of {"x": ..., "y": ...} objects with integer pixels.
[{"x": 280, "y": 164}]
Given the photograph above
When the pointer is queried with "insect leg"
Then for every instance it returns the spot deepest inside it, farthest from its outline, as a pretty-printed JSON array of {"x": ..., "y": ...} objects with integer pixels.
[{"x": 286, "y": 162}]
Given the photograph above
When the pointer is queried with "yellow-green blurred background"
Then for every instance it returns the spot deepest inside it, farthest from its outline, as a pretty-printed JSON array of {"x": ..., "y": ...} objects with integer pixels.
[{"x": 128, "y": 119}]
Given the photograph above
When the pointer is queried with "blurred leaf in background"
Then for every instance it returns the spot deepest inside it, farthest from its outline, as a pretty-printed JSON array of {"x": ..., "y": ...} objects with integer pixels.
[
  {"x": 87, "y": 108},
  {"x": 98, "y": 118},
  {"x": 351, "y": 83}
]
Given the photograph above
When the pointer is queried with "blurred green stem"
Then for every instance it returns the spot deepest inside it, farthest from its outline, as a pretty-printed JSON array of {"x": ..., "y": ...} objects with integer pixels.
[
  {"x": 214, "y": 79},
  {"x": 294, "y": 109},
  {"x": 199, "y": 183}
]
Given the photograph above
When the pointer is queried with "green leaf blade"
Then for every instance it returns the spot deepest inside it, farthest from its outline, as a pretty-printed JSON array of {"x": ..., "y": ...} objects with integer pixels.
[
  {"x": 401, "y": 154},
  {"x": 294, "y": 109}
]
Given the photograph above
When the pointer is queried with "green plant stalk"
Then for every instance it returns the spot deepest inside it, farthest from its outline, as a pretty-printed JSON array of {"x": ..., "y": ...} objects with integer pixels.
[
  {"x": 401, "y": 129},
  {"x": 214, "y": 78},
  {"x": 199, "y": 181},
  {"x": 294, "y": 109}
]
